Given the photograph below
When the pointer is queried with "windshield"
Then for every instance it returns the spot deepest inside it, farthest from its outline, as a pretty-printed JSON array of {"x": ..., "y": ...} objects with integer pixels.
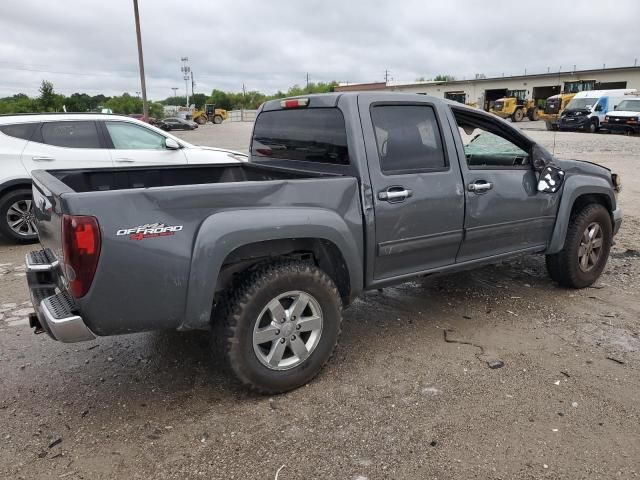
[
  {"x": 629, "y": 106},
  {"x": 581, "y": 103}
]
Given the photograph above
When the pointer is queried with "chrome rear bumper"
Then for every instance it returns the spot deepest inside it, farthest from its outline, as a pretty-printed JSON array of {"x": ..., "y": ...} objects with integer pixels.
[{"x": 54, "y": 306}]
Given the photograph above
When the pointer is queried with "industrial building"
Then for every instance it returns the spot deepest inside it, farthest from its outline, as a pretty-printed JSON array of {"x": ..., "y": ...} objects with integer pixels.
[{"x": 482, "y": 92}]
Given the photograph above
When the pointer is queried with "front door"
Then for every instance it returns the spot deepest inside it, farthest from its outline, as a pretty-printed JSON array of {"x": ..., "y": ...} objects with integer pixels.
[
  {"x": 136, "y": 145},
  {"x": 505, "y": 213},
  {"x": 417, "y": 188}
]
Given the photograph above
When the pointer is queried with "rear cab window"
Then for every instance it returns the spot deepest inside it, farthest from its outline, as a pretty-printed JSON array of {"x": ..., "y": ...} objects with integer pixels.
[{"x": 314, "y": 135}]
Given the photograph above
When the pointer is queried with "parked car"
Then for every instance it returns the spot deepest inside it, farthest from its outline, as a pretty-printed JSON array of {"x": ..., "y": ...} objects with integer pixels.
[
  {"x": 587, "y": 110},
  {"x": 342, "y": 193},
  {"x": 175, "y": 123},
  {"x": 29, "y": 142},
  {"x": 625, "y": 118}
]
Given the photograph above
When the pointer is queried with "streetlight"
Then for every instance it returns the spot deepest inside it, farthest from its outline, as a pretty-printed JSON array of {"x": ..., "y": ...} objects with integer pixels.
[
  {"x": 145, "y": 107},
  {"x": 175, "y": 95}
]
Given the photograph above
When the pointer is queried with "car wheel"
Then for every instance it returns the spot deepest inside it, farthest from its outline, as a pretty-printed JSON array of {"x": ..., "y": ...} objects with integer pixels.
[
  {"x": 279, "y": 326},
  {"x": 17, "y": 221},
  {"x": 518, "y": 115},
  {"x": 217, "y": 119},
  {"x": 593, "y": 126},
  {"x": 586, "y": 248}
]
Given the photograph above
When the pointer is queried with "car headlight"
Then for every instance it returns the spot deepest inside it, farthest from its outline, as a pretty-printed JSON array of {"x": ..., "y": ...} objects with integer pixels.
[{"x": 606, "y": 119}]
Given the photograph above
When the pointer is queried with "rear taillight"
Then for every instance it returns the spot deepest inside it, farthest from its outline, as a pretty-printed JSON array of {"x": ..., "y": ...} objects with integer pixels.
[{"x": 81, "y": 249}]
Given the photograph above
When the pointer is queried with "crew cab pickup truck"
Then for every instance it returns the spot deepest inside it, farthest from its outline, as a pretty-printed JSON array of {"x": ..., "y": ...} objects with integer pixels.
[{"x": 342, "y": 193}]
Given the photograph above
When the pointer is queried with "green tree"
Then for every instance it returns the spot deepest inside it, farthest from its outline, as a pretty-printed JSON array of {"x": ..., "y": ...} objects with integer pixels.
[
  {"x": 124, "y": 104},
  {"x": 444, "y": 78},
  {"x": 49, "y": 101}
]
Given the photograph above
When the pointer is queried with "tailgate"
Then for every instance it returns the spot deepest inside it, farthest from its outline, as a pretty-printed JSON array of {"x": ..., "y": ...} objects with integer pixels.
[{"x": 48, "y": 210}]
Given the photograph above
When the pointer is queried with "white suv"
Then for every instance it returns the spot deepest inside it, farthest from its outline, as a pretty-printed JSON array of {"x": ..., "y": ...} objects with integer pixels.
[{"x": 60, "y": 141}]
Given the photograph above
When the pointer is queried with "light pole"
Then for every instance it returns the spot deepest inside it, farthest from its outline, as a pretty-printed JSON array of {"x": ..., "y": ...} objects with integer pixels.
[
  {"x": 186, "y": 72},
  {"x": 175, "y": 95},
  {"x": 143, "y": 86}
]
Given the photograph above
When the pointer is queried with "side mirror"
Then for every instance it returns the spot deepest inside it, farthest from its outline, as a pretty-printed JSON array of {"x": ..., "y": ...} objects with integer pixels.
[
  {"x": 615, "y": 107},
  {"x": 171, "y": 144},
  {"x": 550, "y": 179}
]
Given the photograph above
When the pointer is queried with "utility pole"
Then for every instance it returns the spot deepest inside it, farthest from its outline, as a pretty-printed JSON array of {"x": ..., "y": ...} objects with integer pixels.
[
  {"x": 193, "y": 84},
  {"x": 386, "y": 76},
  {"x": 143, "y": 86},
  {"x": 175, "y": 89},
  {"x": 307, "y": 80},
  {"x": 186, "y": 70}
]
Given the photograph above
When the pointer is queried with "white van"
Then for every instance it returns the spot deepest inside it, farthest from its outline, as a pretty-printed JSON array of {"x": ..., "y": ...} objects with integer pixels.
[
  {"x": 626, "y": 117},
  {"x": 586, "y": 111}
]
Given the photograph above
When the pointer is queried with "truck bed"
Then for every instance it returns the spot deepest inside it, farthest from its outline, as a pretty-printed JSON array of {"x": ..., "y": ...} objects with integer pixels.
[
  {"x": 167, "y": 280},
  {"x": 105, "y": 179}
]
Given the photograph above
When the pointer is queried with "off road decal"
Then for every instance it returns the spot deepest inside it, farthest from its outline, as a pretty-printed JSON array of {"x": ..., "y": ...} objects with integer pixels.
[{"x": 150, "y": 230}]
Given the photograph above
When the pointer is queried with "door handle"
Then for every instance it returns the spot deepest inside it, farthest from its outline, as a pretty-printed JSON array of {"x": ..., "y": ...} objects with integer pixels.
[
  {"x": 393, "y": 194},
  {"x": 480, "y": 186},
  {"x": 125, "y": 160},
  {"x": 42, "y": 159}
]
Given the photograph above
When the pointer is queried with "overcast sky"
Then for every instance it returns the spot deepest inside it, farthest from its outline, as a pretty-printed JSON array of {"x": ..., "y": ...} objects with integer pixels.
[{"x": 89, "y": 45}]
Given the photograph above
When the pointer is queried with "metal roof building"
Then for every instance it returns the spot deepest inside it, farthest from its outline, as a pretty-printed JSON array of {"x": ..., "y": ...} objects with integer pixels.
[{"x": 482, "y": 92}]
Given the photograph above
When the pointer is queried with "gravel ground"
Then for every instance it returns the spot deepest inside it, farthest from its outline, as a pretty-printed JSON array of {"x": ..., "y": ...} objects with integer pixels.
[{"x": 409, "y": 393}]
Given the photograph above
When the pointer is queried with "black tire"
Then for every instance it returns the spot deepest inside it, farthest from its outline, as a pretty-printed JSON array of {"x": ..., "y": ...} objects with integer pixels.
[
  {"x": 7, "y": 200},
  {"x": 564, "y": 267},
  {"x": 518, "y": 115},
  {"x": 238, "y": 313},
  {"x": 593, "y": 126},
  {"x": 533, "y": 114},
  {"x": 217, "y": 119},
  {"x": 201, "y": 120}
]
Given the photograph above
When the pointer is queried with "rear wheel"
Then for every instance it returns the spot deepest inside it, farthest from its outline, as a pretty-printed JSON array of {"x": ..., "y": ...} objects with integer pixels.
[
  {"x": 217, "y": 119},
  {"x": 586, "y": 248},
  {"x": 279, "y": 326},
  {"x": 518, "y": 115},
  {"x": 533, "y": 114},
  {"x": 17, "y": 220}
]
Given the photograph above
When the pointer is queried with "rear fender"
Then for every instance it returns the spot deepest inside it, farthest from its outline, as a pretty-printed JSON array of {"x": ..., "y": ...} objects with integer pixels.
[{"x": 222, "y": 233}]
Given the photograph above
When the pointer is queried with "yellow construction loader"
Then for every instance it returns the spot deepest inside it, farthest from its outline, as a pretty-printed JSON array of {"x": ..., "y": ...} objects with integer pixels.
[
  {"x": 209, "y": 114},
  {"x": 553, "y": 109},
  {"x": 516, "y": 106}
]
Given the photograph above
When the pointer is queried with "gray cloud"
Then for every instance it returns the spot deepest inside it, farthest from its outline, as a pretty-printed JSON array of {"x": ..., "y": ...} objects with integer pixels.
[{"x": 89, "y": 46}]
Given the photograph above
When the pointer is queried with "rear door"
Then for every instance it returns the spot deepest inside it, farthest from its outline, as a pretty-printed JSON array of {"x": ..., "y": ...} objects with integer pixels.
[
  {"x": 417, "y": 186},
  {"x": 66, "y": 144},
  {"x": 133, "y": 144},
  {"x": 505, "y": 213}
]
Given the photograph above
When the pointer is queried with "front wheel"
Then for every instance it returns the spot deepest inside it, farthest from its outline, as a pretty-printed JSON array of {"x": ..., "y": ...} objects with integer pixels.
[
  {"x": 586, "y": 248},
  {"x": 593, "y": 126},
  {"x": 217, "y": 119},
  {"x": 518, "y": 115},
  {"x": 17, "y": 221},
  {"x": 533, "y": 114},
  {"x": 201, "y": 120},
  {"x": 279, "y": 326}
]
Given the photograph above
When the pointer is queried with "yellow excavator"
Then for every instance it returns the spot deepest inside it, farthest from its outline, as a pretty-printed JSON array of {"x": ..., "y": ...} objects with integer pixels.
[
  {"x": 516, "y": 106},
  {"x": 209, "y": 114},
  {"x": 553, "y": 109}
]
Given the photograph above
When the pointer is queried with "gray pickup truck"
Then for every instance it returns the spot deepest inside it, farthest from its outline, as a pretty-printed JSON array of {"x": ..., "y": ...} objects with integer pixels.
[{"x": 342, "y": 193}]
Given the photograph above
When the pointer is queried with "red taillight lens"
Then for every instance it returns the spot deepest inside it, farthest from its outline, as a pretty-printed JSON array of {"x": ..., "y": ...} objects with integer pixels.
[
  {"x": 81, "y": 248},
  {"x": 294, "y": 103}
]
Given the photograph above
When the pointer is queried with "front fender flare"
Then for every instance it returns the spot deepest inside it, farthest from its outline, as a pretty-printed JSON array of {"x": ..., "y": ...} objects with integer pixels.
[
  {"x": 574, "y": 187},
  {"x": 222, "y": 233}
]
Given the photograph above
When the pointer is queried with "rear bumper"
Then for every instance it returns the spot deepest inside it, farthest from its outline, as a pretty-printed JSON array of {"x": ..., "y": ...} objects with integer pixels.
[{"x": 55, "y": 308}]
